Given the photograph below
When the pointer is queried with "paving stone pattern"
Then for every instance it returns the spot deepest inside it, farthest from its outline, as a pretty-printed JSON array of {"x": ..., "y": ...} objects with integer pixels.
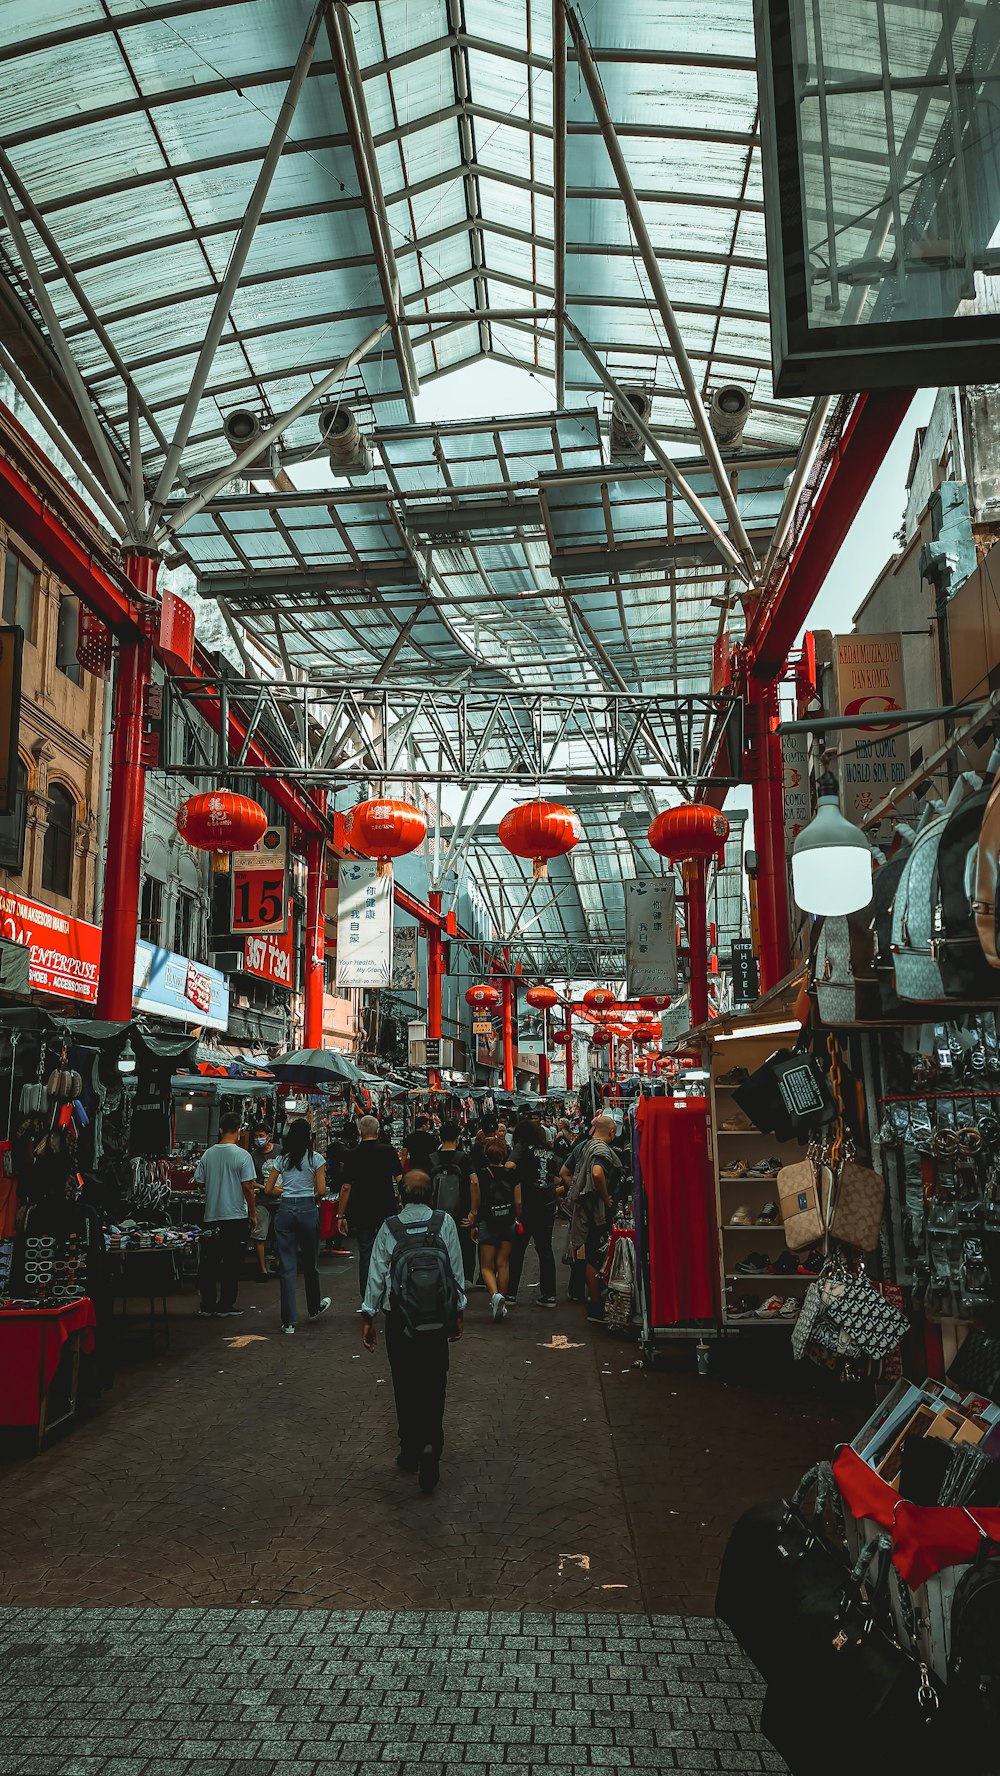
[{"x": 258, "y": 1692}]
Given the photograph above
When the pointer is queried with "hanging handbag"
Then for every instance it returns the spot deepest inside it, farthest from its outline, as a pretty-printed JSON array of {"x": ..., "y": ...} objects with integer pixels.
[
  {"x": 803, "y": 1197},
  {"x": 986, "y": 899},
  {"x": 778, "y": 1560},
  {"x": 787, "y": 1095},
  {"x": 858, "y": 1201},
  {"x": 865, "y": 1321},
  {"x": 619, "y": 1300}
]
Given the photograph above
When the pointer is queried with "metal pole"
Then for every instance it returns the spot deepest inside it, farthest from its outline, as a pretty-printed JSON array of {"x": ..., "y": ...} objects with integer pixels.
[
  {"x": 588, "y": 69},
  {"x": 315, "y": 942},
  {"x": 174, "y": 520},
  {"x": 697, "y": 936},
  {"x": 881, "y": 718},
  {"x": 569, "y": 1048},
  {"x": 126, "y": 810},
  {"x": 507, "y": 1013},
  {"x": 808, "y": 448},
  {"x": 234, "y": 270},
  {"x": 559, "y": 190},
  {"x": 769, "y": 838},
  {"x": 729, "y": 554},
  {"x": 435, "y": 970},
  {"x": 84, "y": 474}
]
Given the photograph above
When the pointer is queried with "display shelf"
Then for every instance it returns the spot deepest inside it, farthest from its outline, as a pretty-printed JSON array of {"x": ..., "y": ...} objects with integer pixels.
[{"x": 774, "y": 1277}]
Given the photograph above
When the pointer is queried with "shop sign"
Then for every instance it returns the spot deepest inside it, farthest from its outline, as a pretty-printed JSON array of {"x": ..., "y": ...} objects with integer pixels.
[
  {"x": 869, "y": 678},
  {"x": 269, "y": 956},
  {"x": 746, "y": 982},
  {"x": 404, "y": 959},
  {"x": 650, "y": 936},
  {"x": 65, "y": 952},
  {"x": 259, "y": 881},
  {"x": 675, "y": 1022},
  {"x": 175, "y": 987},
  {"x": 364, "y": 925},
  {"x": 795, "y": 785},
  {"x": 11, "y": 645},
  {"x": 483, "y": 1027}
]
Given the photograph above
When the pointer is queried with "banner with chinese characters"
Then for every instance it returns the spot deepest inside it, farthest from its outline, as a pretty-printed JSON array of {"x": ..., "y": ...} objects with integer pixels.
[
  {"x": 869, "y": 674},
  {"x": 364, "y": 925},
  {"x": 650, "y": 936},
  {"x": 260, "y": 895},
  {"x": 795, "y": 785},
  {"x": 404, "y": 959}
]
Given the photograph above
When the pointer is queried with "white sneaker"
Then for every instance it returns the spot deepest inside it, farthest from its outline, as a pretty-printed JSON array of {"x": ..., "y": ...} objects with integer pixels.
[
  {"x": 790, "y": 1307},
  {"x": 324, "y": 1304},
  {"x": 289, "y": 1331},
  {"x": 771, "y": 1308},
  {"x": 498, "y": 1307}
]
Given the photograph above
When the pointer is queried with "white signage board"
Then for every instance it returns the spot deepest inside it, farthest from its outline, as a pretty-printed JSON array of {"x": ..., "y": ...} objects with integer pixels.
[
  {"x": 869, "y": 676},
  {"x": 650, "y": 936},
  {"x": 364, "y": 925},
  {"x": 795, "y": 785}
]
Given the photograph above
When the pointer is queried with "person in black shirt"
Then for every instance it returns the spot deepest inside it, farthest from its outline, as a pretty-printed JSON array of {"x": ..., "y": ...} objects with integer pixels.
[
  {"x": 536, "y": 1175},
  {"x": 450, "y": 1167},
  {"x": 368, "y": 1179},
  {"x": 420, "y": 1146}
]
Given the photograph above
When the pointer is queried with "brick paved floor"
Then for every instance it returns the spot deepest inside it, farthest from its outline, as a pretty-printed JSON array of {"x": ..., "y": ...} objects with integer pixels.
[{"x": 171, "y": 1566}]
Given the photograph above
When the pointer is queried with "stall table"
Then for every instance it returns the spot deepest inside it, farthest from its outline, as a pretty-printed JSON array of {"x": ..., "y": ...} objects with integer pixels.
[{"x": 32, "y": 1344}]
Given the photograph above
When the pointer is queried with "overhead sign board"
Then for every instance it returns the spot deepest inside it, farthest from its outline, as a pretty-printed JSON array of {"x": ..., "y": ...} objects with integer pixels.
[
  {"x": 795, "y": 785},
  {"x": 869, "y": 678},
  {"x": 174, "y": 987},
  {"x": 65, "y": 953},
  {"x": 650, "y": 936},
  {"x": 268, "y": 955},
  {"x": 260, "y": 892},
  {"x": 364, "y": 925},
  {"x": 746, "y": 981}
]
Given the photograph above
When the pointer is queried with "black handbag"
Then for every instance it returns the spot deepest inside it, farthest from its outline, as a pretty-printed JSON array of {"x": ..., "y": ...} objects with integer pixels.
[
  {"x": 846, "y": 1696},
  {"x": 777, "y": 1559},
  {"x": 788, "y": 1095}
]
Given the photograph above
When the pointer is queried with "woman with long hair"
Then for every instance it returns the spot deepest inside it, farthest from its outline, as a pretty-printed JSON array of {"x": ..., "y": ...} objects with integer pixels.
[
  {"x": 296, "y": 1183},
  {"x": 499, "y": 1212},
  {"x": 536, "y": 1176}
]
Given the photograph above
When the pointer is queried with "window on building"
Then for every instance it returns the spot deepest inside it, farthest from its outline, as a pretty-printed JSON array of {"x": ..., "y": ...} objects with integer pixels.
[
  {"x": 67, "y": 637},
  {"x": 184, "y": 924},
  {"x": 19, "y": 579},
  {"x": 151, "y": 911},
  {"x": 330, "y": 973},
  {"x": 57, "y": 854},
  {"x": 12, "y": 825}
]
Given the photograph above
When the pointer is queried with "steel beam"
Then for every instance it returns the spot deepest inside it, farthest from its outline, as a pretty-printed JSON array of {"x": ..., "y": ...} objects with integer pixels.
[
  {"x": 559, "y": 190},
  {"x": 234, "y": 268}
]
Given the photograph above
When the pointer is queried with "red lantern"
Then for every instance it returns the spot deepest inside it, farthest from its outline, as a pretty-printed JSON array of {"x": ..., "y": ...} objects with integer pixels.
[
  {"x": 542, "y": 997},
  {"x": 648, "y": 1033},
  {"x": 221, "y": 821},
  {"x": 485, "y": 997},
  {"x": 653, "y": 1001},
  {"x": 600, "y": 1038},
  {"x": 540, "y": 830},
  {"x": 599, "y": 999},
  {"x": 689, "y": 832},
  {"x": 385, "y": 829}
]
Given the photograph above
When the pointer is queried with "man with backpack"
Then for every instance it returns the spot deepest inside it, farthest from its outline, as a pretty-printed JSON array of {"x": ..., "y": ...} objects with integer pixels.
[
  {"x": 416, "y": 1280},
  {"x": 456, "y": 1191}
]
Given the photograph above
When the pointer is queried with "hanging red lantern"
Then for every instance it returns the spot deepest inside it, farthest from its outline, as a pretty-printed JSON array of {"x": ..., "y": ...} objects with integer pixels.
[
  {"x": 692, "y": 831},
  {"x": 385, "y": 829},
  {"x": 599, "y": 999},
  {"x": 649, "y": 1033},
  {"x": 542, "y": 997},
  {"x": 562, "y": 1038},
  {"x": 485, "y": 997},
  {"x": 600, "y": 1038},
  {"x": 540, "y": 830},
  {"x": 653, "y": 1001},
  {"x": 221, "y": 821}
]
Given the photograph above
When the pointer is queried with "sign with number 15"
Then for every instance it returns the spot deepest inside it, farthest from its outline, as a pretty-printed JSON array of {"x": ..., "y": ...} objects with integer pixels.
[{"x": 260, "y": 895}]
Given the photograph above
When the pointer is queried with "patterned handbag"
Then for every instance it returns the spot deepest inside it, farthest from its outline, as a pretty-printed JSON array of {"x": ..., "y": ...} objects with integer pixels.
[
  {"x": 803, "y": 1196},
  {"x": 863, "y": 1317},
  {"x": 858, "y": 1202}
]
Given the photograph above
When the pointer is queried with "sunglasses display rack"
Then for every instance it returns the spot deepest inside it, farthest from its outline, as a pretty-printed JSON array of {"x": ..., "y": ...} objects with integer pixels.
[{"x": 54, "y": 1272}]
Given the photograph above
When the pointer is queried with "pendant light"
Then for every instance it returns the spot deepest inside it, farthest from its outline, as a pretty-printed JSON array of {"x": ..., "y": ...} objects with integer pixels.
[{"x": 831, "y": 859}]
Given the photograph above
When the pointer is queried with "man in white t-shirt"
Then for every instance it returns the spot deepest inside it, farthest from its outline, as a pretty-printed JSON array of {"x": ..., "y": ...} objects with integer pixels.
[{"x": 228, "y": 1174}]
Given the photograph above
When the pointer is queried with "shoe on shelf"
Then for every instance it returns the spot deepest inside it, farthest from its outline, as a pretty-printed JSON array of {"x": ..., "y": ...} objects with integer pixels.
[
  {"x": 768, "y": 1215},
  {"x": 776, "y": 1163},
  {"x": 737, "y": 1167},
  {"x": 289, "y": 1331},
  {"x": 229, "y": 1313},
  {"x": 324, "y": 1304},
  {"x": 786, "y": 1265},
  {"x": 737, "y": 1125},
  {"x": 771, "y": 1308},
  {"x": 742, "y": 1216},
  {"x": 790, "y": 1307},
  {"x": 744, "y": 1307},
  {"x": 429, "y": 1470},
  {"x": 547, "y": 1301},
  {"x": 206, "y": 1313},
  {"x": 736, "y": 1076},
  {"x": 754, "y": 1264},
  {"x": 810, "y": 1263},
  {"x": 498, "y": 1306}
]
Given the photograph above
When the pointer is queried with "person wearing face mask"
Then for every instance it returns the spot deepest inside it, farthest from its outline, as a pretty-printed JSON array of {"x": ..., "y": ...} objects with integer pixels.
[{"x": 261, "y": 1152}]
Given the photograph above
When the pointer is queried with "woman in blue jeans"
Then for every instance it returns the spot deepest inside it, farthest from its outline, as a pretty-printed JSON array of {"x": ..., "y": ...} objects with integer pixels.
[{"x": 297, "y": 1182}]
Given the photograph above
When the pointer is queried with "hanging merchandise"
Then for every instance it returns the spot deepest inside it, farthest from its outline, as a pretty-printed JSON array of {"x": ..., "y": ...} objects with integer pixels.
[
  {"x": 540, "y": 830},
  {"x": 789, "y": 1093},
  {"x": 844, "y": 968},
  {"x": 221, "y": 821},
  {"x": 918, "y": 938},
  {"x": 858, "y": 1199},
  {"x": 384, "y": 829},
  {"x": 986, "y": 905}
]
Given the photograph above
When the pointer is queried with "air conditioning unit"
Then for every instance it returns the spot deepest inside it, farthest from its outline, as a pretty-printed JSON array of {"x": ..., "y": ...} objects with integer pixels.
[
  {"x": 626, "y": 442},
  {"x": 728, "y": 412},
  {"x": 346, "y": 444},
  {"x": 227, "y": 961}
]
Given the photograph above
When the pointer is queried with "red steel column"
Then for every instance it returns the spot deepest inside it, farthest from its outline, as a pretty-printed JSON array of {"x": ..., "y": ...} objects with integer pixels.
[
  {"x": 435, "y": 969},
  {"x": 543, "y": 1059},
  {"x": 569, "y": 1048},
  {"x": 769, "y": 836},
  {"x": 315, "y": 942},
  {"x": 697, "y": 936},
  {"x": 126, "y": 812},
  {"x": 507, "y": 989}
]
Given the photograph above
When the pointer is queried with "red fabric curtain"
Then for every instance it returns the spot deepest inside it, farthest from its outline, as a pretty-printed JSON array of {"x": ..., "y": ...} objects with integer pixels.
[{"x": 680, "y": 1199}]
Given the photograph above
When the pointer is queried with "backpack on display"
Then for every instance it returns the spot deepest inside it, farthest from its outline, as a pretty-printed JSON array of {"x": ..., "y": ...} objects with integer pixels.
[
  {"x": 986, "y": 902},
  {"x": 844, "y": 969},
  {"x": 422, "y": 1287},
  {"x": 917, "y": 919},
  {"x": 447, "y": 1181},
  {"x": 974, "y": 1659},
  {"x": 965, "y": 969}
]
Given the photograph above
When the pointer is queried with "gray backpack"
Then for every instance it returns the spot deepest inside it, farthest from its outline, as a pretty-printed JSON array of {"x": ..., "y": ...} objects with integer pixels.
[{"x": 916, "y": 912}]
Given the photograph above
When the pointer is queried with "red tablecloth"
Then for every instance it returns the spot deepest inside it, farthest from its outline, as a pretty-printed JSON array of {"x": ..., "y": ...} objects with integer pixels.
[
  {"x": 31, "y": 1343},
  {"x": 925, "y": 1538}
]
